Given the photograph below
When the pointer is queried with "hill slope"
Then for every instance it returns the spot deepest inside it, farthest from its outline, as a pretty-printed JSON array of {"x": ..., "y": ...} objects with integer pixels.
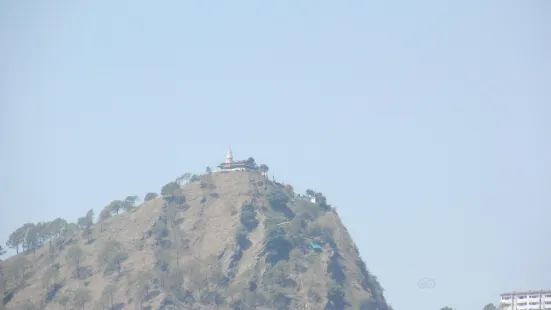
[{"x": 225, "y": 241}]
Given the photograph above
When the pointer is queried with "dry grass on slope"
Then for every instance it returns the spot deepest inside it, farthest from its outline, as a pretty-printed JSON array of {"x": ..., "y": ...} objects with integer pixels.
[
  {"x": 237, "y": 241},
  {"x": 126, "y": 228}
]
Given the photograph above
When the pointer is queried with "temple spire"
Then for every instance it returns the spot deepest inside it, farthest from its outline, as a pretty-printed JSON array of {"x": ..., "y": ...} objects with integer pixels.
[{"x": 229, "y": 156}]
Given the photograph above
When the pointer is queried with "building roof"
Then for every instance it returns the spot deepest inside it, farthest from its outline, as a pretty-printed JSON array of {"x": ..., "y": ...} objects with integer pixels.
[
  {"x": 315, "y": 245},
  {"x": 241, "y": 163},
  {"x": 235, "y": 162},
  {"x": 527, "y": 292}
]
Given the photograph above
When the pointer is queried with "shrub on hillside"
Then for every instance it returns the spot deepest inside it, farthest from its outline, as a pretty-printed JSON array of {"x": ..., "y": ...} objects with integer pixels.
[
  {"x": 335, "y": 298},
  {"x": 248, "y": 217},
  {"x": 281, "y": 301},
  {"x": 172, "y": 193},
  {"x": 242, "y": 243},
  {"x": 194, "y": 178},
  {"x": 369, "y": 304},
  {"x": 370, "y": 283},
  {"x": 335, "y": 267},
  {"x": 320, "y": 231},
  {"x": 278, "y": 200},
  {"x": 277, "y": 246},
  {"x": 150, "y": 196},
  {"x": 241, "y": 238},
  {"x": 306, "y": 210}
]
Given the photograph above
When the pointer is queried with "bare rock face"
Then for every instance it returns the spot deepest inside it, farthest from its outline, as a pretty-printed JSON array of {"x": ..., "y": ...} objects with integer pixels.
[{"x": 231, "y": 240}]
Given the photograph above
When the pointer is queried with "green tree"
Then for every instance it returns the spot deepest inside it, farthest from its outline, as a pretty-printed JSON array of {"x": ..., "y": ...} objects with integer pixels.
[
  {"x": 74, "y": 258},
  {"x": 129, "y": 203},
  {"x": 264, "y": 168},
  {"x": 278, "y": 247},
  {"x": 278, "y": 199},
  {"x": 90, "y": 216},
  {"x": 150, "y": 196},
  {"x": 194, "y": 178},
  {"x": 44, "y": 233},
  {"x": 86, "y": 224},
  {"x": 112, "y": 255},
  {"x": 53, "y": 229},
  {"x": 58, "y": 226},
  {"x": 335, "y": 297},
  {"x": 81, "y": 297},
  {"x": 250, "y": 161},
  {"x": 172, "y": 193},
  {"x": 21, "y": 237},
  {"x": 16, "y": 239},
  {"x": 248, "y": 217},
  {"x": 310, "y": 193},
  {"x": 2, "y": 251},
  {"x": 31, "y": 237},
  {"x": 105, "y": 213},
  {"x": 490, "y": 307},
  {"x": 184, "y": 178},
  {"x": 322, "y": 201},
  {"x": 87, "y": 221},
  {"x": 116, "y": 206},
  {"x": 208, "y": 170},
  {"x": 82, "y": 222},
  {"x": 170, "y": 189}
]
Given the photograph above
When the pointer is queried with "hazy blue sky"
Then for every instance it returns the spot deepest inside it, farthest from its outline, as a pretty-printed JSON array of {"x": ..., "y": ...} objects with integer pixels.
[{"x": 426, "y": 123}]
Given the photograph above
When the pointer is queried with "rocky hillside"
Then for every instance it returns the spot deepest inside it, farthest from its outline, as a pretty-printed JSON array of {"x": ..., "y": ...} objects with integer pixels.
[{"x": 230, "y": 240}]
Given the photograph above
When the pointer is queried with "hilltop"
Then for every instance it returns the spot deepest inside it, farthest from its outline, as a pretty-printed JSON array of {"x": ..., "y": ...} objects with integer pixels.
[{"x": 226, "y": 240}]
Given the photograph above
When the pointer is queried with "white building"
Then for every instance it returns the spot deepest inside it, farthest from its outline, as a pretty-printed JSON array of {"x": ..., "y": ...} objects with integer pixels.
[
  {"x": 526, "y": 300},
  {"x": 231, "y": 165}
]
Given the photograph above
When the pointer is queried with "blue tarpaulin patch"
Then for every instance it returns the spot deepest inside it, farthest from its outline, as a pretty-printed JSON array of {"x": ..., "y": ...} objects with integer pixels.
[{"x": 315, "y": 245}]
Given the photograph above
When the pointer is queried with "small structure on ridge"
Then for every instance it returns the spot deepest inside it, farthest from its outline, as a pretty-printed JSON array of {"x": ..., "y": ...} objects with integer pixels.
[{"x": 242, "y": 165}]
